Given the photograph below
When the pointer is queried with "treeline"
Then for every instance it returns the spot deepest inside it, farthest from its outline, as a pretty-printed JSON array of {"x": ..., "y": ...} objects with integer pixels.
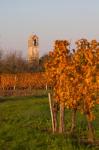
[{"x": 14, "y": 62}]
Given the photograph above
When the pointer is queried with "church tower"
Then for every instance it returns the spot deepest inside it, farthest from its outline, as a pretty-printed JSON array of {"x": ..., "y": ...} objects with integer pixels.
[{"x": 33, "y": 50}]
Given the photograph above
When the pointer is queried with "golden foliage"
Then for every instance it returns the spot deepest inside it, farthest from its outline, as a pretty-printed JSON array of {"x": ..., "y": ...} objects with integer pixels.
[{"x": 75, "y": 77}]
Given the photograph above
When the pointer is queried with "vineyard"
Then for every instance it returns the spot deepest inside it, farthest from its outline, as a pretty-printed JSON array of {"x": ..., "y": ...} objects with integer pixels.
[{"x": 22, "y": 83}]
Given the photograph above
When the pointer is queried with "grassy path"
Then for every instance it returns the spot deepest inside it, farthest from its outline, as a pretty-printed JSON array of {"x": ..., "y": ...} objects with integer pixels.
[{"x": 25, "y": 125}]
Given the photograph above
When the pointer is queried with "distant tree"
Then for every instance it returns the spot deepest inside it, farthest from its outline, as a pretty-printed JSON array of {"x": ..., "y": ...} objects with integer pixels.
[
  {"x": 1, "y": 60},
  {"x": 1, "y": 54},
  {"x": 42, "y": 62},
  {"x": 14, "y": 63}
]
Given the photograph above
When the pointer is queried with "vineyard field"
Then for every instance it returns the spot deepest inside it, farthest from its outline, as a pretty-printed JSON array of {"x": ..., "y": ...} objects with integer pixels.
[{"x": 25, "y": 124}]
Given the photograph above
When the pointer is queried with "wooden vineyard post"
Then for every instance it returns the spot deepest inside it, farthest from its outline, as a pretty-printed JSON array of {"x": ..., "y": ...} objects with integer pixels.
[
  {"x": 52, "y": 114},
  {"x": 14, "y": 83},
  {"x": 46, "y": 87}
]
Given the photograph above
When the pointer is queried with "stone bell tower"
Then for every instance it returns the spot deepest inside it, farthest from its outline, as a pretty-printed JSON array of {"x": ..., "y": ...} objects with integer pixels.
[{"x": 33, "y": 50}]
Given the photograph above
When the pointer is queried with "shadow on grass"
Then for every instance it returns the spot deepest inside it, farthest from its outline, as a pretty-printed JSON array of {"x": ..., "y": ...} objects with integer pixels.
[
  {"x": 18, "y": 98},
  {"x": 82, "y": 143}
]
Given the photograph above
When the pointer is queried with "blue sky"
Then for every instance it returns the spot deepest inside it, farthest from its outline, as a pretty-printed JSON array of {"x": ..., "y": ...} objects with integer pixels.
[{"x": 49, "y": 19}]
